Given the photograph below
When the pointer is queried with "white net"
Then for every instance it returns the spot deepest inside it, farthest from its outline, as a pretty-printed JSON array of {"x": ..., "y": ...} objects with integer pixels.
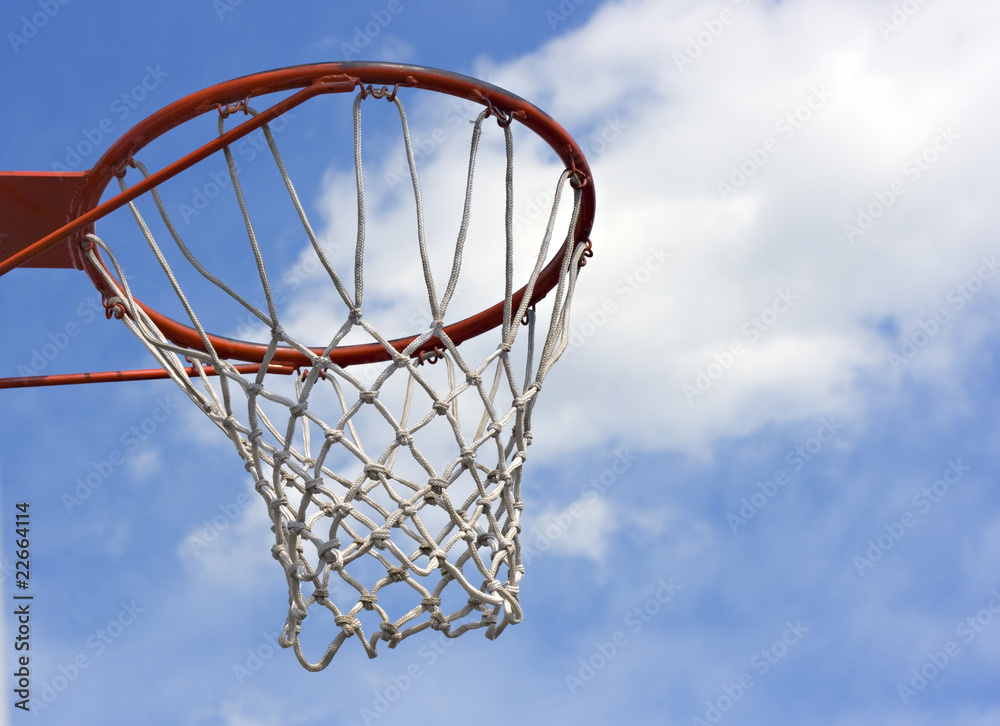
[{"x": 394, "y": 492}]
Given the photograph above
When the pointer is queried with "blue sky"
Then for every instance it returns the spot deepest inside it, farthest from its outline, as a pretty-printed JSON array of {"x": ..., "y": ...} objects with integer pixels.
[{"x": 761, "y": 487}]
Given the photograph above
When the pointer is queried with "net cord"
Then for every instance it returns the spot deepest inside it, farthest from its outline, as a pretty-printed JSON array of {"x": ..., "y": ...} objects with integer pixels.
[{"x": 312, "y": 506}]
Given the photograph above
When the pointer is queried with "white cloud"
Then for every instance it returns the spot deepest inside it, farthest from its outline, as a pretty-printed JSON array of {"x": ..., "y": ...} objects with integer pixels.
[{"x": 784, "y": 228}]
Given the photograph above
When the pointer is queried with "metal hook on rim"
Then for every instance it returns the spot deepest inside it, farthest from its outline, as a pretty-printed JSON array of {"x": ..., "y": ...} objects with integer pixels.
[
  {"x": 432, "y": 356},
  {"x": 228, "y": 109},
  {"x": 526, "y": 319},
  {"x": 120, "y": 170},
  {"x": 503, "y": 118},
  {"x": 577, "y": 179},
  {"x": 382, "y": 92},
  {"x": 113, "y": 306}
]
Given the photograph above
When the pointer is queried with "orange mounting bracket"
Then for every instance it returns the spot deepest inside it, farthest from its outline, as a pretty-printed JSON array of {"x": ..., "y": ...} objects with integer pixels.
[{"x": 34, "y": 204}]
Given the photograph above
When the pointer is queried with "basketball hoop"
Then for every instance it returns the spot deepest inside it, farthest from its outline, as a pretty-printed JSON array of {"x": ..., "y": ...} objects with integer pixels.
[{"x": 374, "y": 520}]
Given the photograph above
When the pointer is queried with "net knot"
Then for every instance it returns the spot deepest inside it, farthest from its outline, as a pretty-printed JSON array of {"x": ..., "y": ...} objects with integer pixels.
[
  {"x": 485, "y": 540},
  {"x": 391, "y": 634},
  {"x": 368, "y": 601},
  {"x": 348, "y": 624},
  {"x": 298, "y": 527},
  {"x": 298, "y": 409},
  {"x": 376, "y": 472},
  {"x": 429, "y": 603},
  {"x": 404, "y": 438},
  {"x": 397, "y": 574},
  {"x": 313, "y": 484},
  {"x": 280, "y": 457},
  {"x": 467, "y": 457},
  {"x": 437, "y": 487},
  {"x": 254, "y": 389},
  {"x": 440, "y": 408},
  {"x": 473, "y": 379},
  {"x": 277, "y": 332},
  {"x": 320, "y": 594},
  {"x": 334, "y": 436},
  {"x": 500, "y": 478},
  {"x": 330, "y": 551},
  {"x": 379, "y": 537},
  {"x": 368, "y": 396},
  {"x": 521, "y": 402},
  {"x": 355, "y": 316}
]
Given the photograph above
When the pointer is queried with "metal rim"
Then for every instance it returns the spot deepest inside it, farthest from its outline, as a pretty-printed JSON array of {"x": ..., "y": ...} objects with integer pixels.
[{"x": 316, "y": 79}]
